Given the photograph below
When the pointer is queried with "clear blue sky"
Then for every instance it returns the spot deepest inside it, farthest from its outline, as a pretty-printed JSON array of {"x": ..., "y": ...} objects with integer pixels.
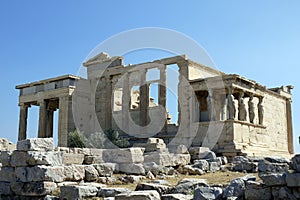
[{"x": 39, "y": 39}]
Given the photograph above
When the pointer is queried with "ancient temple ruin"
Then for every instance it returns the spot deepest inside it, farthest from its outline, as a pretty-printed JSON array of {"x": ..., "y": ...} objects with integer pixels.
[{"x": 244, "y": 117}]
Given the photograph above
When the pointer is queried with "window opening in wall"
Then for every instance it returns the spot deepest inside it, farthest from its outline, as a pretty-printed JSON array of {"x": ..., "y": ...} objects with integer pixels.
[
  {"x": 117, "y": 99},
  {"x": 135, "y": 97},
  {"x": 153, "y": 94},
  {"x": 172, "y": 92}
]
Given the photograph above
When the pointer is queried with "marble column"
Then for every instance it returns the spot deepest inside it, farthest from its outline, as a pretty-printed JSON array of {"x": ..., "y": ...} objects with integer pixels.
[
  {"x": 109, "y": 96},
  {"x": 23, "y": 121},
  {"x": 65, "y": 120},
  {"x": 289, "y": 126},
  {"x": 49, "y": 125},
  {"x": 162, "y": 94},
  {"x": 42, "y": 119},
  {"x": 125, "y": 102},
  {"x": 144, "y": 99}
]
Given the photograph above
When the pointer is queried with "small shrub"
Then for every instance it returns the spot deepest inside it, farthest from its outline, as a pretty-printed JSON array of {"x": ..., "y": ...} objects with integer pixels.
[{"x": 75, "y": 139}]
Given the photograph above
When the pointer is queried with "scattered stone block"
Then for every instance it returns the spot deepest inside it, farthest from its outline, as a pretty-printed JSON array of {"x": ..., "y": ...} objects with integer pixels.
[
  {"x": 235, "y": 189},
  {"x": 274, "y": 179},
  {"x": 33, "y": 188},
  {"x": 265, "y": 166},
  {"x": 91, "y": 174},
  {"x": 296, "y": 163},
  {"x": 36, "y": 144},
  {"x": 283, "y": 193},
  {"x": 188, "y": 185},
  {"x": 188, "y": 169},
  {"x": 111, "y": 192},
  {"x": 196, "y": 151},
  {"x": 132, "y": 168},
  {"x": 293, "y": 179},
  {"x": 255, "y": 190},
  {"x": 208, "y": 193},
  {"x": 106, "y": 169},
  {"x": 176, "y": 197},
  {"x": 201, "y": 164},
  {"x": 139, "y": 195},
  {"x": 150, "y": 176},
  {"x": 214, "y": 166},
  {"x": 161, "y": 189},
  {"x": 77, "y": 192},
  {"x": 153, "y": 167},
  {"x": 49, "y": 197}
]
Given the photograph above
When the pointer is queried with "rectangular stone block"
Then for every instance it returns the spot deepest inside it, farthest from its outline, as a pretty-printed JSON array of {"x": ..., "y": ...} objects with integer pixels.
[
  {"x": 40, "y": 173},
  {"x": 74, "y": 173},
  {"x": 5, "y": 157},
  {"x": 77, "y": 192},
  {"x": 138, "y": 195},
  {"x": 72, "y": 158},
  {"x": 36, "y": 144},
  {"x": 31, "y": 158},
  {"x": 33, "y": 189},
  {"x": 89, "y": 159},
  {"x": 5, "y": 188},
  {"x": 293, "y": 179},
  {"x": 132, "y": 168},
  {"x": 7, "y": 174},
  {"x": 128, "y": 155}
]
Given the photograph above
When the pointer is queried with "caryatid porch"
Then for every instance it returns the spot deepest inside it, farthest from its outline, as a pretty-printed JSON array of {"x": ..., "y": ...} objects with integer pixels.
[{"x": 49, "y": 95}]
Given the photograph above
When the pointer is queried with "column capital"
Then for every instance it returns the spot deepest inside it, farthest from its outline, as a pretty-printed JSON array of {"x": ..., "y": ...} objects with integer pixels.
[{"x": 24, "y": 105}]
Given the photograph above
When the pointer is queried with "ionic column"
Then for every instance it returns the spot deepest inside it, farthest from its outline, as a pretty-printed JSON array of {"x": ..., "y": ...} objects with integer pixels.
[
  {"x": 109, "y": 95},
  {"x": 162, "y": 94},
  {"x": 144, "y": 99},
  {"x": 42, "y": 119},
  {"x": 23, "y": 121}
]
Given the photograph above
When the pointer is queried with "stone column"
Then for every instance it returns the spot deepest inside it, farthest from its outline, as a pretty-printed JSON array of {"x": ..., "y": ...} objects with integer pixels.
[
  {"x": 289, "y": 126},
  {"x": 65, "y": 117},
  {"x": 144, "y": 99},
  {"x": 260, "y": 108},
  {"x": 49, "y": 126},
  {"x": 162, "y": 94},
  {"x": 125, "y": 102},
  {"x": 23, "y": 121},
  {"x": 42, "y": 119},
  {"x": 109, "y": 95}
]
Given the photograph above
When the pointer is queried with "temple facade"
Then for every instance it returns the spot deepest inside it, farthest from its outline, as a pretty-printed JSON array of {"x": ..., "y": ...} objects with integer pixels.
[{"x": 226, "y": 112}]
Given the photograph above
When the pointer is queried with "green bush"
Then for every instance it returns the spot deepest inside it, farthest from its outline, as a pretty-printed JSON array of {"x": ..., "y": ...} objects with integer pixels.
[
  {"x": 114, "y": 137},
  {"x": 75, "y": 139}
]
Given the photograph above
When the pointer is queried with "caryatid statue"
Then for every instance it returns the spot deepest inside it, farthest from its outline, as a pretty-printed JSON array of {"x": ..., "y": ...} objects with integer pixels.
[
  {"x": 230, "y": 105},
  {"x": 261, "y": 111},
  {"x": 251, "y": 108},
  {"x": 242, "y": 108}
]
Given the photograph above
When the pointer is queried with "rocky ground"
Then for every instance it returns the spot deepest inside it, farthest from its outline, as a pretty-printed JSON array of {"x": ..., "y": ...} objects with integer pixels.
[{"x": 37, "y": 170}]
